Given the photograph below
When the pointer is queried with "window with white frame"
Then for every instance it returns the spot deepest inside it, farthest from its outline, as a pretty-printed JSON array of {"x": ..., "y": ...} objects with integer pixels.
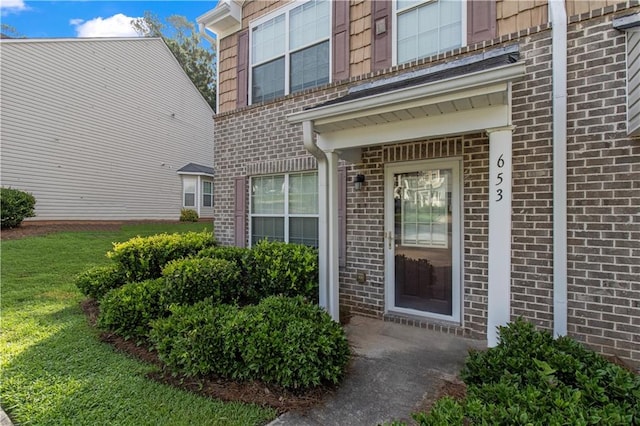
[
  {"x": 285, "y": 208},
  {"x": 207, "y": 193},
  {"x": 427, "y": 27},
  {"x": 290, "y": 50},
  {"x": 189, "y": 191}
]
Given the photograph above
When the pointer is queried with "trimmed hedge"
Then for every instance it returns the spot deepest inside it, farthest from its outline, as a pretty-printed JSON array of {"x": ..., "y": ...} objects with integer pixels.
[
  {"x": 194, "y": 279},
  {"x": 286, "y": 269},
  {"x": 142, "y": 258},
  {"x": 97, "y": 281},
  {"x": 285, "y": 341},
  {"x": 128, "y": 310},
  {"x": 530, "y": 378},
  {"x": 15, "y": 206},
  {"x": 188, "y": 215},
  {"x": 272, "y": 268}
]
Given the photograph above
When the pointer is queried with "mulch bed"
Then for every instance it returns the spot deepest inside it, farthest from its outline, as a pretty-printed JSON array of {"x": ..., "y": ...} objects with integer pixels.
[{"x": 253, "y": 392}]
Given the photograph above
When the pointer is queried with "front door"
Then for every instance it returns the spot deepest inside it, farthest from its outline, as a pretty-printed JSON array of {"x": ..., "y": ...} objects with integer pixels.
[{"x": 422, "y": 239}]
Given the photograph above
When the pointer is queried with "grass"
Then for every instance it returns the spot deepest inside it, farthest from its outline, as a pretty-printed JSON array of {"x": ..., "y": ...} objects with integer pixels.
[{"x": 55, "y": 371}]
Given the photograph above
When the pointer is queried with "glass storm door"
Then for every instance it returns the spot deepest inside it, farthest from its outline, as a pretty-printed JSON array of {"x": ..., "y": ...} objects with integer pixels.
[{"x": 423, "y": 239}]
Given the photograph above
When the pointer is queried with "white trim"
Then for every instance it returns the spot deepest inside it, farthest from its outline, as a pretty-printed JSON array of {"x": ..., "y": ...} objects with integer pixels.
[
  {"x": 224, "y": 20},
  {"x": 333, "y": 113},
  {"x": 455, "y": 164},
  {"x": 499, "y": 267}
]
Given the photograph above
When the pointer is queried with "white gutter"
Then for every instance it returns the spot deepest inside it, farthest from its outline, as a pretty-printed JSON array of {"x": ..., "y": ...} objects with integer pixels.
[
  {"x": 323, "y": 213},
  {"x": 216, "y": 45},
  {"x": 559, "y": 66}
]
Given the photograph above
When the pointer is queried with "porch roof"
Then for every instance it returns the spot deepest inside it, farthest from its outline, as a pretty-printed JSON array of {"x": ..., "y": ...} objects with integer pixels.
[{"x": 475, "y": 82}]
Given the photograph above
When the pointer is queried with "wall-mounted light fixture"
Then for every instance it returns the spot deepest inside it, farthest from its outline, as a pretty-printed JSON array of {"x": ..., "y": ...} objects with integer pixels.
[{"x": 358, "y": 181}]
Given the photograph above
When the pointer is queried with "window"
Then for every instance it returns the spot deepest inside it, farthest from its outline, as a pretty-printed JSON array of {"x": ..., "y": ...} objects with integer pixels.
[
  {"x": 285, "y": 208},
  {"x": 207, "y": 193},
  {"x": 427, "y": 27},
  {"x": 189, "y": 191},
  {"x": 290, "y": 51}
]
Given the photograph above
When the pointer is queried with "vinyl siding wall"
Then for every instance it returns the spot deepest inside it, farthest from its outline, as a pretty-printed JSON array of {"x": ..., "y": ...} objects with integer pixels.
[{"x": 96, "y": 129}]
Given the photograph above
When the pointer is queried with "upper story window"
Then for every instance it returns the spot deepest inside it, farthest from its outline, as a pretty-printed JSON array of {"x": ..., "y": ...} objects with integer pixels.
[
  {"x": 427, "y": 27},
  {"x": 290, "y": 50}
]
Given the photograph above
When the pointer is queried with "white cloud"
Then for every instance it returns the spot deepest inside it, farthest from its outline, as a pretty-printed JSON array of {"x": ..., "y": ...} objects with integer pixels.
[
  {"x": 12, "y": 6},
  {"x": 117, "y": 25}
]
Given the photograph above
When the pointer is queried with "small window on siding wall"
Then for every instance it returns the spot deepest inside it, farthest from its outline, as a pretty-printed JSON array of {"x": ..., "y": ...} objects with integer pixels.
[
  {"x": 428, "y": 27},
  {"x": 285, "y": 208},
  {"x": 290, "y": 50},
  {"x": 189, "y": 192},
  {"x": 207, "y": 193}
]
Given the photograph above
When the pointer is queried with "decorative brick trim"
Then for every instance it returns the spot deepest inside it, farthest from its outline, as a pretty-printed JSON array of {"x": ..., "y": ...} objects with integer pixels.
[
  {"x": 440, "y": 148},
  {"x": 281, "y": 166}
]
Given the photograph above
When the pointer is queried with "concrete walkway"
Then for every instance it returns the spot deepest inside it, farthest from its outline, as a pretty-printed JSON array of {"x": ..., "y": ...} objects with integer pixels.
[{"x": 395, "y": 368}]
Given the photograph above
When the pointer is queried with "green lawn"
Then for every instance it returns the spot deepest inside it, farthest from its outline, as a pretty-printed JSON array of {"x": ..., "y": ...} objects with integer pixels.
[{"x": 53, "y": 368}]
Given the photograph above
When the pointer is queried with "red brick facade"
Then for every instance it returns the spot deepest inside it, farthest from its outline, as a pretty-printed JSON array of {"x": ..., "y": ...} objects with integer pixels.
[{"x": 603, "y": 189}]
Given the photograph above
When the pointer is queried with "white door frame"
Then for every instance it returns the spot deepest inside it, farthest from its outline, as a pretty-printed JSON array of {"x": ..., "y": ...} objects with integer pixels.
[{"x": 455, "y": 164}]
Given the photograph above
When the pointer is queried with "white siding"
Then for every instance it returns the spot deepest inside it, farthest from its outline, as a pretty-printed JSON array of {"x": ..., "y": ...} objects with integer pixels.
[
  {"x": 96, "y": 129},
  {"x": 633, "y": 82}
]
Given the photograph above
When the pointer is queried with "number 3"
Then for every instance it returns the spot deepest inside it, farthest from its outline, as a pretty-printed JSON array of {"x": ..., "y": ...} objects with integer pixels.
[{"x": 499, "y": 195}]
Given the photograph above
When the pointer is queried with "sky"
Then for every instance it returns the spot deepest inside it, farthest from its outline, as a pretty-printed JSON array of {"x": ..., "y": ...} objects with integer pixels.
[{"x": 91, "y": 18}]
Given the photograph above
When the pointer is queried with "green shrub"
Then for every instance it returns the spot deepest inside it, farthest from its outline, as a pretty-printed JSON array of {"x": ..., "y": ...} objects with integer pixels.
[
  {"x": 286, "y": 269},
  {"x": 284, "y": 341},
  {"x": 188, "y": 215},
  {"x": 194, "y": 279},
  {"x": 292, "y": 343},
  {"x": 143, "y": 258},
  {"x": 128, "y": 310},
  {"x": 530, "y": 378},
  {"x": 15, "y": 205},
  {"x": 191, "y": 339},
  {"x": 97, "y": 281},
  {"x": 240, "y": 256}
]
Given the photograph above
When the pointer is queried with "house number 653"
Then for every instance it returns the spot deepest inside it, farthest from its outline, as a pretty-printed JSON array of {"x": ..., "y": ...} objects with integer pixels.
[{"x": 500, "y": 164}]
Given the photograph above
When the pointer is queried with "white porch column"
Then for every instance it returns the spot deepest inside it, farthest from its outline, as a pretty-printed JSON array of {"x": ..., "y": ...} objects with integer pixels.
[
  {"x": 333, "y": 247},
  {"x": 323, "y": 281},
  {"x": 499, "y": 279}
]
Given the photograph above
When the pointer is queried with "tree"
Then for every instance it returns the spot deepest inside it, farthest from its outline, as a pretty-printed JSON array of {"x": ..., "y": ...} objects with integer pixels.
[
  {"x": 8, "y": 31},
  {"x": 184, "y": 41}
]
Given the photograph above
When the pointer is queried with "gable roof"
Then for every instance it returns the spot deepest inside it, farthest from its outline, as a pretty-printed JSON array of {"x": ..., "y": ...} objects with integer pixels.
[{"x": 196, "y": 169}]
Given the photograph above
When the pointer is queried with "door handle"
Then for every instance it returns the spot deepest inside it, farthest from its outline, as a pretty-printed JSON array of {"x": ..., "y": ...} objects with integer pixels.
[{"x": 390, "y": 239}]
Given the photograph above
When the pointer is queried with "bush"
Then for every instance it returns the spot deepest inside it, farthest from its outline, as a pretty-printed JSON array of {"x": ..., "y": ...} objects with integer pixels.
[
  {"x": 284, "y": 341},
  {"x": 15, "y": 207},
  {"x": 188, "y": 215},
  {"x": 194, "y": 279},
  {"x": 97, "y": 281},
  {"x": 191, "y": 340},
  {"x": 128, "y": 310},
  {"x": 240, "y": 256},
  {"x": 530, "y": 378},
  {"x": 286, "y": 269},
  {"x": 143, "y": 258}
]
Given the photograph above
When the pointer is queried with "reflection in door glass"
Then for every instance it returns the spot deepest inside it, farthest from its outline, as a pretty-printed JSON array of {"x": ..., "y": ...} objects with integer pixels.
[{"x": 423, "y": 237}]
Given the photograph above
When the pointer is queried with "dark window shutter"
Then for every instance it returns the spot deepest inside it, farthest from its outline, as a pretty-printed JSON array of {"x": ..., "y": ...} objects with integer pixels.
[
  {"x": 240, "y": 211},
  {"x": 381, "y": 27},
  {"x": 340, "y": 33},
  {"x": 342, "y": 215},
  {"x": 242, "y": 70},
  {"x": 481, "y": 20}
]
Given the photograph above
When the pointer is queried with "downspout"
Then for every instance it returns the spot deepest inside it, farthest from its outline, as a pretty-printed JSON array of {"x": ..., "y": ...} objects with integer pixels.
[
  {"x": 559, "y": 70},
  {"x": 323, "y": 213},
  {"x": 214, "y": 43}
]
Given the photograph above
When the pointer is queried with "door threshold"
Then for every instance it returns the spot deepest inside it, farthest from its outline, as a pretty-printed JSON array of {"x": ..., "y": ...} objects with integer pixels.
[{"x": 449, "y": 327}]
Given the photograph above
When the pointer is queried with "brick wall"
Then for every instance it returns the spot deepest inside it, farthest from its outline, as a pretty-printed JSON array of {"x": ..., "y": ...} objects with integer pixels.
[
  {"x": 603, "y": 190},
  {"x": 603, "y": 198}
]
